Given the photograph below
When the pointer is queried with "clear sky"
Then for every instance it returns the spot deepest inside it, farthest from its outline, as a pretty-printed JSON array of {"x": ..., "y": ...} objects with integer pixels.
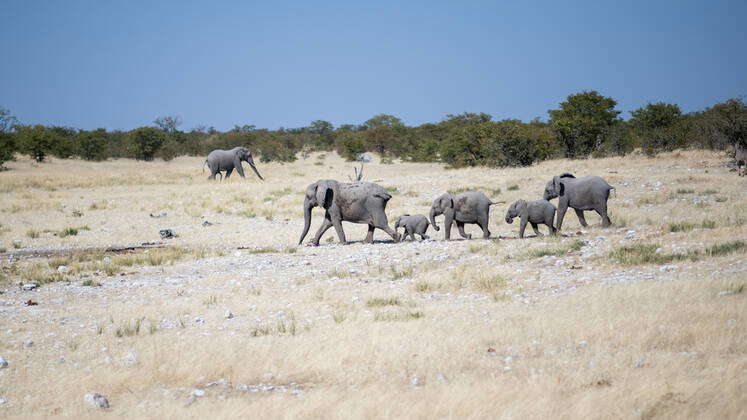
[{"x": 121, "y": 64}]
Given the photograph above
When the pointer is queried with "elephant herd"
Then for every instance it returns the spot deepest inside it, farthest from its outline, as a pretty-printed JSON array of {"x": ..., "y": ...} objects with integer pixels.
[{"x": 365, "y": 203}]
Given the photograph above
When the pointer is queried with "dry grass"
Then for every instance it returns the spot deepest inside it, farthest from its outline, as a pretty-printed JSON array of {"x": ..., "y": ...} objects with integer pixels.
[{"x": 466, "y": 329}]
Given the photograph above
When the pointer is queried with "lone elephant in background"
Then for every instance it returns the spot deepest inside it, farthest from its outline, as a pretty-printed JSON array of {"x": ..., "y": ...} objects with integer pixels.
[
  {"x": 581, "y": 194},
  {"x": 740, "y": 153},
  {"x": 227, "y": 160},
  {"x": 357, "y": 202},
  {"x": 535, "y": 212},
  {"x": 467, "y": 207}
]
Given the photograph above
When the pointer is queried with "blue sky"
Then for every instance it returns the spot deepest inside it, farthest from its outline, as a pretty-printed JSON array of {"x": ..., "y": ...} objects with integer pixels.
[{"x": 120, "y": 65}]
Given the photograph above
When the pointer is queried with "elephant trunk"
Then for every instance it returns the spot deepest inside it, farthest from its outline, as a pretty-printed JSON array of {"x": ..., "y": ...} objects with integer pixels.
[
  {"x": 251, "y": 163},
  {"x": 509, "y": 219},
  {"x": 433, "y": 219},
  {"x": 306, "y": 219}
]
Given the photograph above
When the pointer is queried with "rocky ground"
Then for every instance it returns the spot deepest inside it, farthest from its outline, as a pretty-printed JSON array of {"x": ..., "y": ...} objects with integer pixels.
[{"x": 249, "y": 324}]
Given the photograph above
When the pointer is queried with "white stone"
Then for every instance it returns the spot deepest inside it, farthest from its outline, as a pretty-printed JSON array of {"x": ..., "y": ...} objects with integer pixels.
[
  {"x": 131, "y": 357},
  {"x": 29, "y": 286},
  {"x": 3, "y": 363},
  {"x": 507, "y": 368},
  {"x": 28, "y": 343},
  {"x": 198, "y": 392},
  {"x": 96, "y": 400},
  {"x": 62, "y": 269},
  {"x": 228, "y": 314}
]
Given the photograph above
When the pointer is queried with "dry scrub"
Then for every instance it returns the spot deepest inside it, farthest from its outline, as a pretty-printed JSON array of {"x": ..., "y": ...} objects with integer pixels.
[{"x": 645, "y": 319}]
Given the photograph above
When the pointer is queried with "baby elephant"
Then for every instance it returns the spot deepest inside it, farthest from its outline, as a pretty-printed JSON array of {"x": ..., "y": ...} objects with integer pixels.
[
  {"x": 412, "y": 225},
  {"x": 534, "y": 212}
]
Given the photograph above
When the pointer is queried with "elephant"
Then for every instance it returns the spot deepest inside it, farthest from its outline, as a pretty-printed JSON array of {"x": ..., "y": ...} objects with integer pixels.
[
  {"x": 581, "y": 194},
  {"x": 227, "y": 160},
  {"x": 467, "y": 207},
  {"x": 535, "y": 212},
  {"x": 740, "y": 153},
  {"x": 413, "y": 224},
  {"x": 356, "y": 202}
]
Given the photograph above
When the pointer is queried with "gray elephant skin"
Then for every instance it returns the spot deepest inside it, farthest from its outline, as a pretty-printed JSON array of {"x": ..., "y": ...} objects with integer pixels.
[
  {"x": 356, "y": 202},
  {"x": 412, "y": 224},
  {"x": 535, "y": 212},
  {"x": 227, "y": 160},
  {"x": 468, "y": 207},
  {"x": 581, "y": 194}
]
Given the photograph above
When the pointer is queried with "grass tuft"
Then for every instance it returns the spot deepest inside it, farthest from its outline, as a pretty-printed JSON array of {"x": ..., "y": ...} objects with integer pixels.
[
  {"x": 556, "y": 250},
  {"x": 398, "y": 316},
  {"x": 129, "y": 329},
  {"x": 380, "y": 301}
]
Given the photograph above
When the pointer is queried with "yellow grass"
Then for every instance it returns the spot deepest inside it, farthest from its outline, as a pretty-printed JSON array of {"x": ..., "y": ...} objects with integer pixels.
[{"x": 534, "y": 328}]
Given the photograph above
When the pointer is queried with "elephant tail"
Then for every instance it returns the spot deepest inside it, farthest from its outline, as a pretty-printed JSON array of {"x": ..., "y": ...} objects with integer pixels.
[
  {"x": 383, "y": 195},
  {"x": 203, "y": 166}
]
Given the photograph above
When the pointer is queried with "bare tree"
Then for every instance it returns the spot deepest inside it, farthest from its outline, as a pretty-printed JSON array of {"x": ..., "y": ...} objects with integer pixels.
[
  {"x": 358, "y": 173},
  {"x": 168, "y": 123}
]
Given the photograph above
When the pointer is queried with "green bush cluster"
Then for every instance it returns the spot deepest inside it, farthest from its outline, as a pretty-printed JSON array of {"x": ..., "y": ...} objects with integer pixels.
[{"x": 585, "y": 125}]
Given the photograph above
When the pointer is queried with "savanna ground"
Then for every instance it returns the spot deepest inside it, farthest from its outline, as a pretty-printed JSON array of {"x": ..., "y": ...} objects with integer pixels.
[{"x": 645, "y": 319}]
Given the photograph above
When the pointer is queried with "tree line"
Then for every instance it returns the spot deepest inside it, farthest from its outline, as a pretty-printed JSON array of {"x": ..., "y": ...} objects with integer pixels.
[{"x": 586, "y": 124}]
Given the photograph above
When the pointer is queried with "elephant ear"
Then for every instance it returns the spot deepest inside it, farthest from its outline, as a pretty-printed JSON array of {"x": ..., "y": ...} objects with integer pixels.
[
  {"x": 562, "y": 189},
  {"x": 447, "y": 202},
  {"x": 521, "y": 206},
  {"x": 324, "y": 195},
  {"x": 556, "y": 184}
]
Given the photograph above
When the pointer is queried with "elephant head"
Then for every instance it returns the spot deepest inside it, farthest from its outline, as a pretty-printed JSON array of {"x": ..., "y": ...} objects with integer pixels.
[
  {"x": 555, "y": 187},
  {"x": 515, "y": 210},
  {"x": 242, "y": 154},
  {"x": 440, "y": 206},
  {"x": 320, "y": 193}
]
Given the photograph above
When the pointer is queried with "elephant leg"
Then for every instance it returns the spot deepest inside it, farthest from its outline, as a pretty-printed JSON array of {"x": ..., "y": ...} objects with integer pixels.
[
  {"x": 460, "y": 226},
  {"x": 228, "y": 173},
  {"x": 602, "y": 211},
  {"x": 323, "y": 228},
  {"x": 522, "y": 227},
  {"x": 535, "y": 229},
  {"x": 581, "y": 219},
  {"x": 482, "y": 221},
  {"x": 562, "y": 208},
  {"x": 423, "y": 237},
  {"x": 369, "y": 235},
  {"x": 553, "y": 231},
  {"x": 337, "y": 223},
  {"x": 380, "y": 221},
  {"x": 448, "y": 220}
]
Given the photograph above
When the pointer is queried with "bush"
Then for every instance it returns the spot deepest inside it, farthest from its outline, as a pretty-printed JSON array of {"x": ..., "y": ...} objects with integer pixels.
[
  {"x": 34, "y": 141},
  {"x": 144, "y": 142},
  {"x": 91, "y": 144},
  {"x": 350, "y": 145}
]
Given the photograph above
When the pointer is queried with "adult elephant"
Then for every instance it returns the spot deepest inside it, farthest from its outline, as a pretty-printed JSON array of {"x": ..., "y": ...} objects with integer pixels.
[
  {"x": 467, "y": 207},
  {"x": 581, "y": 194},
  {"x": 227, "y": 160},
  {"x": 356, "y": 202}
]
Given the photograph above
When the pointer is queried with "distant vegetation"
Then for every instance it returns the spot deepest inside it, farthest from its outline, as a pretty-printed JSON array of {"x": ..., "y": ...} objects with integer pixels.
[{"x": 585, "y": 125}]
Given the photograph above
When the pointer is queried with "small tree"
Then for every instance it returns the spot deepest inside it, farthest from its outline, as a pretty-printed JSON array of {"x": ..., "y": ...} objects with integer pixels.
[
  {"x": 145, "y": 142},
  {"x": 168, "y": 123},
  {"x": 7, "y": 143},
  {"x": 655, "y": 126},
  {"x": 35, "y": 141},
  {"x": 91, "y": 144},
  {"x": 583, "y": 121}
]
